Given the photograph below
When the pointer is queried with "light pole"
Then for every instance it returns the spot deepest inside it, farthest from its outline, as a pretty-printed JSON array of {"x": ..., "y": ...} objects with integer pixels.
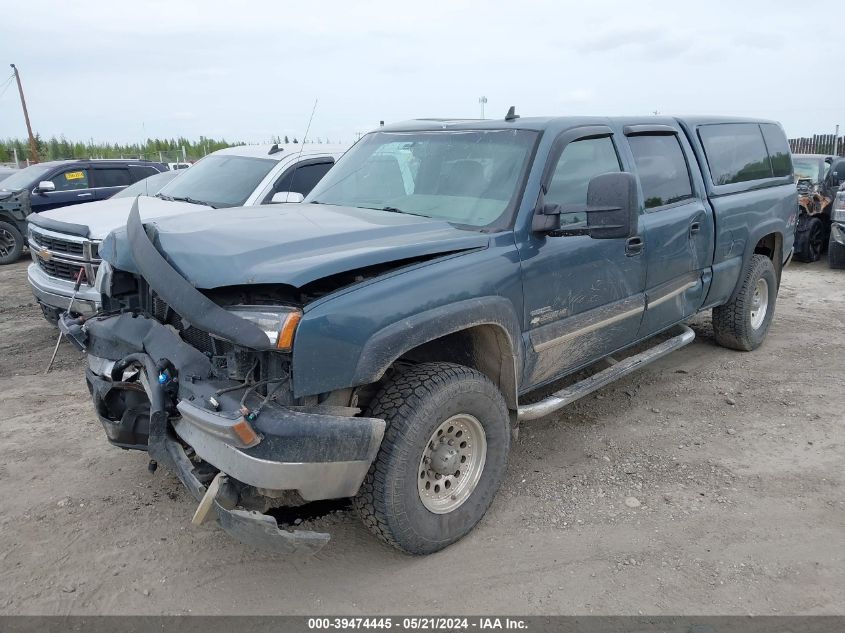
[{"x": 482, "y": 101}]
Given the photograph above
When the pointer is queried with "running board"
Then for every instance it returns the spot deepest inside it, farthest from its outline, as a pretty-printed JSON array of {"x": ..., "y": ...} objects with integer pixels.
[{"x": 587, "y": 386}]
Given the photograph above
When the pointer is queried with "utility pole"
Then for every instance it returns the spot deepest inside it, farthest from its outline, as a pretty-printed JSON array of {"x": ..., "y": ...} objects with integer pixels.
[
  {"x": 33, "y": 149},
  {"x": 836, "y": 141},
  {"x": 482, "y": 101}
]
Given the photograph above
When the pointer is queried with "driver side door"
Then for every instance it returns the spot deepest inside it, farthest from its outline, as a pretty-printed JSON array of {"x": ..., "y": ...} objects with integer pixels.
[
  {"x": 584, "y": 298},
  {"x": 73, "y": 186}
]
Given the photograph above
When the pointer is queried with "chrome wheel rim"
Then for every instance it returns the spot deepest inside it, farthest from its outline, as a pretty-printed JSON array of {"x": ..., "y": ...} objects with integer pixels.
[
  {"x": 7, "y": 243},
  {"x": 759, "y": 303},
  {"x": 452, "y": 463}
]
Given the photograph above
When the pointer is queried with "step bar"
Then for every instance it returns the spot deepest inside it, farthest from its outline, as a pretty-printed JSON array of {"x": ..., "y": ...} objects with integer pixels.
[{"x": 570, "y": 394}]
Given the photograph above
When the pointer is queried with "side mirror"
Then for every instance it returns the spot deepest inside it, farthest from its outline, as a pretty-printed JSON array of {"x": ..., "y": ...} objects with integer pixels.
[
  {"x": 546, "y": 219},
  {"x": 45, "y": 186},
  {"x": 287, "y": 196},
  {"x": 612, "y": 207}
]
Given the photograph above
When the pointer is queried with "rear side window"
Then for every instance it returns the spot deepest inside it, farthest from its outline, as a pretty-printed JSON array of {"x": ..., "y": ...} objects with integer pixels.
[
  {"x": 662, "y": 168},
  {"x": 111, "y": 177},
  {"x": 735, "y": 152},
  {"x": 778, "y": 147},
  {"x": 579, "y": 163},
  {"x": 302, "y": 179}
]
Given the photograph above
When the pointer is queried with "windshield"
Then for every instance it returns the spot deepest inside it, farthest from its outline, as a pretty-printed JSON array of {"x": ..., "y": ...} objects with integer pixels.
[
  {"x": 149, "y": 186},
  {"x": 25, "y": 178},
  {"x": 219, "y": 181},
  {"x": 806, "y": 168},
  {"x": 466, "y": 177}
]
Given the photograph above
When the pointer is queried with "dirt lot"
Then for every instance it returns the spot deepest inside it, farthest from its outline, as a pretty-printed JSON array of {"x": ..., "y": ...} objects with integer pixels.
[{"x": 737, "y": 461}]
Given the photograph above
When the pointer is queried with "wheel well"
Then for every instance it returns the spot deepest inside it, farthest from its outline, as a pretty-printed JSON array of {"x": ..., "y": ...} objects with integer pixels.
[
  {"x": 486, "y": 348},
  {"x": 769, "y": 245}
]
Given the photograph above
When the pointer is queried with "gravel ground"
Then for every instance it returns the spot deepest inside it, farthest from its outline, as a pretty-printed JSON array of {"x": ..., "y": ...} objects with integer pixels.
[{"x": 710, "y": 482}]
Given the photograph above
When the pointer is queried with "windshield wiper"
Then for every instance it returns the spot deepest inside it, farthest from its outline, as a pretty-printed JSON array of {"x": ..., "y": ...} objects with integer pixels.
[
  {"x": 396, "y": 210},
  {"x": 190, "y": 200},
  {"x": 161, "y": 196}
]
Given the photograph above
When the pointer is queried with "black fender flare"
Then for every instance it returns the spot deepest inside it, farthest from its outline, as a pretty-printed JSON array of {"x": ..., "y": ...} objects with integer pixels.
[{"x": 384, "y": 347}]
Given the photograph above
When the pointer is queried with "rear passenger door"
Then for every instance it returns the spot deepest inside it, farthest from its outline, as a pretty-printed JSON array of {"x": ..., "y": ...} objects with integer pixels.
[
  {"x": 677, "y": 225},
  {"x": 107, "y": 181}
]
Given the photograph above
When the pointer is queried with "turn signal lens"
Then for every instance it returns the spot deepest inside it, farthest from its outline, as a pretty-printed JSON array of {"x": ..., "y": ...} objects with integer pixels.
[
  {"x": 285, "y": 342},
  {"x": 245, "y": 433}
]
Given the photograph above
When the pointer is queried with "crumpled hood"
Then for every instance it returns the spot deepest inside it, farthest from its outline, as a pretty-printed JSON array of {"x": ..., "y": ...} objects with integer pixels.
[
  {"x": 104, "y": 216},
  {"x": 288, "y": 243}
]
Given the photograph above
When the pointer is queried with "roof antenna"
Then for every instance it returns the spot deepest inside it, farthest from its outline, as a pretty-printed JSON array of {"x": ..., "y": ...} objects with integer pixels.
[
  {"x": 511, "y": 115},
  {"x": 302, "y": 147}
]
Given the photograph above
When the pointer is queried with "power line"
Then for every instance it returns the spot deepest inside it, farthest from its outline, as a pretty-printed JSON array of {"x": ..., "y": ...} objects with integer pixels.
[{"x": 6, "y": 84}]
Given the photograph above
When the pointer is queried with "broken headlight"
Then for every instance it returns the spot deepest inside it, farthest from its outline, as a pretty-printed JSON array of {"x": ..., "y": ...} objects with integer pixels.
[{"x": 278, "y": 323}]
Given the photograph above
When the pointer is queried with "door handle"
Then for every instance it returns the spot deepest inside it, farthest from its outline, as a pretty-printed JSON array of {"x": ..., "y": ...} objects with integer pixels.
[
  {"x": 694, "y": 228},
  {"x": 84, "y": 195},
  {"x": 633, "y": 246}
]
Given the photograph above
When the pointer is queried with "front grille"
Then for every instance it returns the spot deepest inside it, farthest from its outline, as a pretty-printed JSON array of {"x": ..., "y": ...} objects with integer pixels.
[
  {"x": 194, "y": 337},
  {"x": 60, "y": 269},
  {"x": 58, "y": 245}
]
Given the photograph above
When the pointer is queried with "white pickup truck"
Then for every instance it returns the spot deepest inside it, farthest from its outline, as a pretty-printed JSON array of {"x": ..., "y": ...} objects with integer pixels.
[{"x": 65, "y": 241}]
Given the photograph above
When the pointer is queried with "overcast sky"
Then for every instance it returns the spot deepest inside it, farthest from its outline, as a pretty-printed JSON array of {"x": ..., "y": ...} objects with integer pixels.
[{"x": 247, "y": 70}]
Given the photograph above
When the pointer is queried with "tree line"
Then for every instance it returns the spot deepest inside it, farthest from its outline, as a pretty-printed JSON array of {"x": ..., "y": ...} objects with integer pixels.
[{"x": 168, "y": 150}]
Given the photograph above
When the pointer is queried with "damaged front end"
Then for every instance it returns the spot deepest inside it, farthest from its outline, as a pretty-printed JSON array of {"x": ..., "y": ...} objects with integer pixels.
[{"x": 218, "y": 413}]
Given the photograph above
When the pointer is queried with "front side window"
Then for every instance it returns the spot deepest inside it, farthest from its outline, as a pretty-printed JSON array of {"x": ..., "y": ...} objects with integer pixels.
[
  {"x": 219, "y": 180},
  {"x": 580, "y": 162},
  {"x": 735, "y": 152},
  {"x": 71, "y": 180},
  {"x": 302, "y": 178},
  {"x": 470, "y": 178},
  {"x": 662, "y": 169}
]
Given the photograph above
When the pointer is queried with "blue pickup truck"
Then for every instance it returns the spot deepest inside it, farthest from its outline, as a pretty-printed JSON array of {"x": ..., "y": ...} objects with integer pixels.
[{"x": 383, "y": 339}]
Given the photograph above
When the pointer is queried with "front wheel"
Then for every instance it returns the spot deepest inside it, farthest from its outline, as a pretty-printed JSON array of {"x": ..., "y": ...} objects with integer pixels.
[
  {"x": 11, "y": 243},
  {"x": 442, "y": 459},
  {"x": 743, "y": 322}
]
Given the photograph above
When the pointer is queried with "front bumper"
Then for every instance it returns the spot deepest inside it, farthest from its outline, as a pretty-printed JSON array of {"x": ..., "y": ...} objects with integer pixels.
[
  {"x": 56, "y": 293},
  {"x": 321, "y": 453}
]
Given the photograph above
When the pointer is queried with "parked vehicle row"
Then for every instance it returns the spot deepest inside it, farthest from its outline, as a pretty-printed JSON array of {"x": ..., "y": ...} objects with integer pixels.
[
  {"x": 64, "y": 241},
  {"x": 381, "y": 340},
  {"x": 57, "y": 184}
]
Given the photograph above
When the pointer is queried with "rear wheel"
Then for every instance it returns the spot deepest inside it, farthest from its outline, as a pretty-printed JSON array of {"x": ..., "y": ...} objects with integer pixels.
[
  {"x": 743, "y": 323},
  {"x": 442, "y": 458},
  {"x": 11, "y": 243},
  {"x": 835, "y": 253}
]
